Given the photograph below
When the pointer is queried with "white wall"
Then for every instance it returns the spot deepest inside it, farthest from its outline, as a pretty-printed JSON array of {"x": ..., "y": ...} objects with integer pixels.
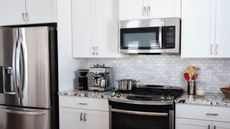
[{"x": 67, "y": 65}]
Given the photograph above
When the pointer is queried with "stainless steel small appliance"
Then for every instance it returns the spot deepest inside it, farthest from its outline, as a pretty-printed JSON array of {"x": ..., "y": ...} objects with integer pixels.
[
  {"x": 100, "y": 78},
  {"x": 82, "y": 79},
  {"x": 156, "y": 36},
  {"x": 145, "y": 107},
  {"x": 126, "y": 84}
]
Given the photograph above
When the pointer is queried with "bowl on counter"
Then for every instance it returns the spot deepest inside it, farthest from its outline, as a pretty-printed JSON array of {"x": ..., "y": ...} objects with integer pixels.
[{"x": 226, "y": 91}]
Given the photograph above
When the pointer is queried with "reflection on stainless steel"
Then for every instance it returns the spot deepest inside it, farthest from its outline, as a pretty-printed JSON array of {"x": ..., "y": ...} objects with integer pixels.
[
  {"x": 145, "y": 26},
  {"x": 29, "y": 94},
  {"x": 139, "y": 113},
  {"x": 22, "y": 118}
]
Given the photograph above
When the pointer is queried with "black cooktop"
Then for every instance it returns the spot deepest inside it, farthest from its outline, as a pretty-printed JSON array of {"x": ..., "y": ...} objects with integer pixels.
[{"x": 153, "y": 92}]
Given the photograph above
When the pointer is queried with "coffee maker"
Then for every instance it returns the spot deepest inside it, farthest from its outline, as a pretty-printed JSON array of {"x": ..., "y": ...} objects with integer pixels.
[
  {"x": 100, "y": 78},
  {"x": 82, "y": 79}
]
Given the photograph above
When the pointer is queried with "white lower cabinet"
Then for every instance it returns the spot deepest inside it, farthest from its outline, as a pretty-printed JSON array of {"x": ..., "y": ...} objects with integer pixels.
[
  {"x": 83, "y": 113},
  {"x": 192, "y": 124},
  {"x": 200, "y": 124},
  {"x": 202, "y": 117}
]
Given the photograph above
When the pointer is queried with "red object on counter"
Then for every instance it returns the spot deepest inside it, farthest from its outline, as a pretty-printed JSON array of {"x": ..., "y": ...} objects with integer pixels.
[
  {"x": 186, "y": 76},
  {"x": 194, "y": 77}
]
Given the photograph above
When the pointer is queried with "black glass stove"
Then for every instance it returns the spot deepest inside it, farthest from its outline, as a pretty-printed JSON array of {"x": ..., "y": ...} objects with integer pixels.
[{"x": 148, "y": 94}]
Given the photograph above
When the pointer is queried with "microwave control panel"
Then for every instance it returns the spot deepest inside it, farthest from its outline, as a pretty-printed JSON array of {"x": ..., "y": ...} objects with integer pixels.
[{"x": 168, "y": 37}]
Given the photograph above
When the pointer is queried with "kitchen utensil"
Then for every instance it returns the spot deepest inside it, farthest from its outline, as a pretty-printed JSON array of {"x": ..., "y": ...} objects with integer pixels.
[{"x": 186, "y": 76}]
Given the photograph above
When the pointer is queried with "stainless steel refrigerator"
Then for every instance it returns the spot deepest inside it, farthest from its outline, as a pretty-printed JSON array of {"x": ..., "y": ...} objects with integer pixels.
[{"x": 28, "y": 78}]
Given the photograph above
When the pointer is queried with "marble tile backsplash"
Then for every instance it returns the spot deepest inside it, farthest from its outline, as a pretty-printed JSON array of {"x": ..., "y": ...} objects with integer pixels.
[{"x": 167, "y": 70}]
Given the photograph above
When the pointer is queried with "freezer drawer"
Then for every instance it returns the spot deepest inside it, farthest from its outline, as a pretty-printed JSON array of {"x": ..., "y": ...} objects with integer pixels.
[{"x": 23, "y": 118}]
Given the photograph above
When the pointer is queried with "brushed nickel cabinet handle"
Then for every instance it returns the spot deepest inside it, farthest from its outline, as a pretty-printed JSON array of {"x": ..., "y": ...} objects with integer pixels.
[
  {"x": 214, "y": 127},
  {"x": 83, "y": 103},
  {"x": 209, "y": 127},
  {"x": 93, "y": 53},
  {"x": 85, "y": 117},
  {"x": 212, "y": 114},
  {"x": 81, "y": 116},
  {"x": 217, "y": 47},
  {"x": 148, "y": 10},
  {"x": 23, "y": 17},
  {"x": 27, "y": 17},
  {"x": 211, "y": 49}
]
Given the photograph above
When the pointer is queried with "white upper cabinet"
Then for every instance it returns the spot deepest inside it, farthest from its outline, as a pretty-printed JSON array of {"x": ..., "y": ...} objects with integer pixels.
[
  {"x": 222, "y": 28},
  {"x": 195, "y": 41},
  {"x": 145, "y": 9},
  {"x": 205, "y": 28},
  {"x": 17, "y": 12},
  {"x": 82, "y": 28},
  {"x": 11, "y": 12},
  {"x": 41, "y": 11},
  {"x": 95, "y": 28}
]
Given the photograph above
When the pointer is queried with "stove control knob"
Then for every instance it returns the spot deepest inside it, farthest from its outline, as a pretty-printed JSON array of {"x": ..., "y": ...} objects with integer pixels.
[
  {"x": 162, "y": 98},
  {"x": 169, "y": 98},
  {"x": 118, "y": 95},
  {"x": 113, "y": 94}
]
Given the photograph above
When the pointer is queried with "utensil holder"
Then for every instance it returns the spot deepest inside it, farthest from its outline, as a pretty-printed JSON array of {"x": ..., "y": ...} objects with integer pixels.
[{"x": 191, "y": 89}]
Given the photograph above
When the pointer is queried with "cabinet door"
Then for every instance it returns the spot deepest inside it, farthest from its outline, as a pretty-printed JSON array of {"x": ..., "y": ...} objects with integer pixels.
[
  {"x": 132, "y": 9},
  {"x": 165, "y": 8},
  {"x": 96, "y": 120},
  {"x": 70, "y": 118},
  {"x": 196, "y": 28},
  {"x": 106, "y": 28},
  {"x": 221, "y": 125},
  {"x": 11, "y": 12},
  {"x": 222, "y": 28},
  {"x": 192, "y": 124},
  {"x": 41, "y": 11},
  {"x": 82, "y": 20}
]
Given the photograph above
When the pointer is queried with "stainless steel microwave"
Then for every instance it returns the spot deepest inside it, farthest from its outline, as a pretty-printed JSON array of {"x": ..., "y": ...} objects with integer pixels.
[{"x": 148, "y": 36}]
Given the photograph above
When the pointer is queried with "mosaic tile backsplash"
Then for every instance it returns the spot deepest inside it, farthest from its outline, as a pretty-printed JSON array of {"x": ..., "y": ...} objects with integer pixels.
[{"x": 167, "y": 70}]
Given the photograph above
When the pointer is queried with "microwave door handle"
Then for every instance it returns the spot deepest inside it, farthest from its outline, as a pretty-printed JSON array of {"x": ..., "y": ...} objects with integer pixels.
[{"x": 160, "y": 37}]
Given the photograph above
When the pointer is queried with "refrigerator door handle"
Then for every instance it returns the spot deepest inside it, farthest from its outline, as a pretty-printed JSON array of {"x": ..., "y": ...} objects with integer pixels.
[
  {"x": 24, "y": 112},
  {"x": 17, "y": 67},
  {"x": 14, "y": 66},
  {"x": 23, "y": 87}
]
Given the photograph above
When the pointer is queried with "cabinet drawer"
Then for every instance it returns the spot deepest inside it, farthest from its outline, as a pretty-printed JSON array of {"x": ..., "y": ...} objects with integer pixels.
[
  {"x": 84, "y": 103},
  {"x": 203, "y": 112}
]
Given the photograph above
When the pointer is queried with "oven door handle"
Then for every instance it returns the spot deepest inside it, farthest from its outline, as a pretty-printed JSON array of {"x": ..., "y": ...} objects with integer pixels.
[{"x": 139, "y": 113}]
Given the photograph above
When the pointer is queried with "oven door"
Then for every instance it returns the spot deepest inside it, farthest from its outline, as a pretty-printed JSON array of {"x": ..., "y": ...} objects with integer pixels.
[
  {"x": 141, "y": 40},
  {"x": 141, "y": 117}
]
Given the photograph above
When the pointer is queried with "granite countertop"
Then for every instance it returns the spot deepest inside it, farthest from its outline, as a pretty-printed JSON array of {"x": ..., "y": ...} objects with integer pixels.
[
  {"x": 210, "y": 99},
  {"x": 89, "y": 94}
]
